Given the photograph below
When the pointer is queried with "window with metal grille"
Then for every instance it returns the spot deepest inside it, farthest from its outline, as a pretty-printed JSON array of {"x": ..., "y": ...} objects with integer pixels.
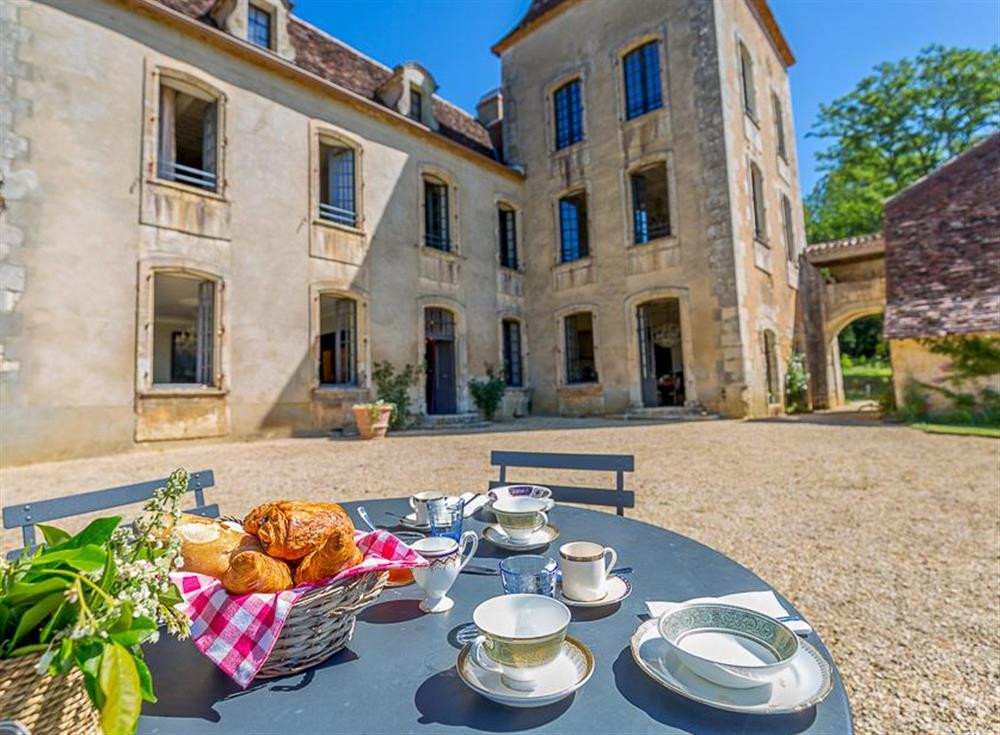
[
  {"x": 642, "y": 80},
  {"x": 436, "y": 215},
  {"x": 337, "y": 186},
  {"x": 580, "y": 364},
  {"x": 568, "y": 114},
  {"x": 771, "y": 366},
  {"x": 416, "y": 104},
  {"x": 757, "y": 197},
  {"x": 573, "y": 243},
  {"x": 259, "y": 26},
  {"x": 338, "y": 340},
  {"x": 788, "y": 225},
  {"x": 650, "y": 203},
  {"x": 779, "y": 128},
  {"x": 512, "y": 371},
  {"x": 507, "y": 220},
  {"x": 183, "y": 329},
  {"x": 187, "y": 138},
  {"x": 746, "y": 81}
]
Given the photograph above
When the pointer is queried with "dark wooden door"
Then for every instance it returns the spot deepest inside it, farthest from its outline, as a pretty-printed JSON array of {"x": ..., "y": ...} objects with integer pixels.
[
  {"x": 439, "y": 354},
  {"x": 647, "y": 359}
]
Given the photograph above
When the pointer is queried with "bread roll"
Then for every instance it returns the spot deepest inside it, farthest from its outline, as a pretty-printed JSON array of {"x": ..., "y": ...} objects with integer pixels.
[
  {"x": 254, "y": 571},
  {"x": 293, "y": 529},
  {"x": 207, "y": 544}
]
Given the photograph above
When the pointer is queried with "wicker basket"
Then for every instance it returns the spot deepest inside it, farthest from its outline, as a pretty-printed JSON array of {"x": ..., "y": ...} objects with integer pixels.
[
  {"x": 320, "y": 624},
  {"x": 43, "y": 704}
]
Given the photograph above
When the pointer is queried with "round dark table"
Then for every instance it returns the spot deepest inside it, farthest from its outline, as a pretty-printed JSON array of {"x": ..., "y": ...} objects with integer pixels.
[{"x": 398, "y": 672}]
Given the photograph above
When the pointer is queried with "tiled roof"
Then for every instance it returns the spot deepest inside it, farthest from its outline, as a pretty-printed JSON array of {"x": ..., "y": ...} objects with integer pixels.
[
  {"x": 533, "y": 16},
  {"x": 846, "y": 247},
  {"x": 325, "y": 56},
  {"x": 942, "y": 255}
]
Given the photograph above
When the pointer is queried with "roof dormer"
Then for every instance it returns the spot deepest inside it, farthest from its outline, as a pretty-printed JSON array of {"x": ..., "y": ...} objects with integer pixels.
[
  {"x": 263, "y": 23},
  {"x": 410, "y": 91}
]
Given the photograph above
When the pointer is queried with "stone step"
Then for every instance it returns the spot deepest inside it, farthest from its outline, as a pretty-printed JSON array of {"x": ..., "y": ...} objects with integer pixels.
[
  {"x": 667, "y": 413},
  {"x": 448, "y": 421}
]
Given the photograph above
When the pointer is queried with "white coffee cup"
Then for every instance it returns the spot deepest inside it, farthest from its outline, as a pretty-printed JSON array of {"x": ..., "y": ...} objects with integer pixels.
[
  {"x": 447, "y": 557},
  {"x": 419, "y": 504},
  {"x": 585, "y": 569},
  {"x": 520, "y": 635},
  {"x": 520, "y": 517}
]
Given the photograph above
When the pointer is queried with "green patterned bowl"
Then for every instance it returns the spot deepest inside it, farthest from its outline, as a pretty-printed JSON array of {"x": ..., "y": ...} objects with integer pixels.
[{"x": 728, "y": 645}]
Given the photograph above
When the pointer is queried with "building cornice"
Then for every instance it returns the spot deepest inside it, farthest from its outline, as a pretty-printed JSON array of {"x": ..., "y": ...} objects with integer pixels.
[
  {"x": 520, "y": 31},
  {"x": 289, "y": 70}
]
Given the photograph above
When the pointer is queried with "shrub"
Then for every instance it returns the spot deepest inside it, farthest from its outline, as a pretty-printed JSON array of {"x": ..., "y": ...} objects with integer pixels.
[
  {"x": 488, "y": 393},
  {"x": 392, "y": 387},
  {"x": 797, "y": 384},
  {"x": 914, "y": 406}
]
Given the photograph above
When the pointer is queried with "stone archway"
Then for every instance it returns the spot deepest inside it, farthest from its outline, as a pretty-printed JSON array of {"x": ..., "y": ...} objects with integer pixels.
[{"x": 844, "y": 281}]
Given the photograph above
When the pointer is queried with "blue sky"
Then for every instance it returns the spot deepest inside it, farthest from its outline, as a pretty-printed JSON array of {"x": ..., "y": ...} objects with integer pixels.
[{"x": 836, "y": 42}]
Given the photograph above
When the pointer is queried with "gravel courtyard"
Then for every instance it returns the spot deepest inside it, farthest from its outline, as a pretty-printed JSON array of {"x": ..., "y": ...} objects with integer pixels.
[{"x": 885, "y": 537}]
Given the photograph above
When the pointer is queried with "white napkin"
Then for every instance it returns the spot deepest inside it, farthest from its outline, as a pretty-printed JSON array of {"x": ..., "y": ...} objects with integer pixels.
[
  {"x": 764, "y": 601},
  {"x": 473, "y": 502}
]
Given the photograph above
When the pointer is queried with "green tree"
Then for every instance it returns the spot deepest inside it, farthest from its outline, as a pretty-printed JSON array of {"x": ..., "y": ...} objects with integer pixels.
[{"x": 898, "y": 124}]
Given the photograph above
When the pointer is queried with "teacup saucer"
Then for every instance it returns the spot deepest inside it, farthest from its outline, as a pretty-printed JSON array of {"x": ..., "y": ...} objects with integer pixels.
[
  {"x": 410, "y": 521},
  {"x": 618, "y": 588},
  {"x": 542, "y": 537},
  {"x": 806, "y": 682},
  {"x": 570, "y": 671}
]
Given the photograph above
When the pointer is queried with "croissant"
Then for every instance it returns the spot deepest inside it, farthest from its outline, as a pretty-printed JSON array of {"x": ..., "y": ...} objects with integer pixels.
[
  {"x": 337, "y": 553},
  {"x": 292, "y": 529},
  {"x": 254, "y": 571},
  {"x": 207, "y": 545}
]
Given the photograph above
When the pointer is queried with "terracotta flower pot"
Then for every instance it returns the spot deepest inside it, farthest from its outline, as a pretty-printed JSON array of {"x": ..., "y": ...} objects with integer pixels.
[{"x": 373, "y": 422}]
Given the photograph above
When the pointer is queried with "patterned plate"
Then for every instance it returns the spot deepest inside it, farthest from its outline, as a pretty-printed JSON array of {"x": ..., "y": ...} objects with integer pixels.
[
  {"x": 618, "y": 589},
  {"x": 805, "y": 683},
  {"x": 542, "y": 537},
  {"x": 561, "y": 678}
]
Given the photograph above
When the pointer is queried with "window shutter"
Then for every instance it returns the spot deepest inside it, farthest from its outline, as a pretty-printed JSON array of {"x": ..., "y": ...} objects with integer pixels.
[
  {"x": 206, "y": 332},
  {"x": 167, "y": 153},
  {"x": 209, "y": 138}
]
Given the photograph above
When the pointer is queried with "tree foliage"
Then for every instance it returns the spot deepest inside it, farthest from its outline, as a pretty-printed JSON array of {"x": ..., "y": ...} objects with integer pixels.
[{"x": 897, "y": 125}]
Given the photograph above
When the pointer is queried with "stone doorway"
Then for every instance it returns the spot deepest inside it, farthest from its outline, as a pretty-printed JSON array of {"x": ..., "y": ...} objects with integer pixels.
[
  {"x": 439, "y": 357},
  {"x": 661, "y": 358}
]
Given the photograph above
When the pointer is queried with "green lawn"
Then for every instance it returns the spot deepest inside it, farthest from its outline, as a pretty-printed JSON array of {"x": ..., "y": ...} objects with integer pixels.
[
  {"x": 867, "y": 371},
  {"x": 989, "y": 431}
]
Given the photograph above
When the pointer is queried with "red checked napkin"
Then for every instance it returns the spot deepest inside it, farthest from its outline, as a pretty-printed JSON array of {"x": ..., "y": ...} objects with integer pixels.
[{"x": 238, "y": 631}]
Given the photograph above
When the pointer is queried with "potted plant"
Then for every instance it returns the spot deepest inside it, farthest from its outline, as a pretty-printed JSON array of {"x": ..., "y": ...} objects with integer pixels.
[
  {"x": 373, "y": 418},
  {"x": 74, "y": 613},
  {"x": 488, "y": 393}
]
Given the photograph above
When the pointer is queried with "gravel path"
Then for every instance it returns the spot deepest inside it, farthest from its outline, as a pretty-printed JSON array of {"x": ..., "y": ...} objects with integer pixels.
[{"x": 887, "y": 538}]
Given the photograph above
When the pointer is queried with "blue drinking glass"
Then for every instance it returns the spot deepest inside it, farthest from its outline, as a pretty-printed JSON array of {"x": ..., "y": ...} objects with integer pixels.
[
  {"x": 445, "y": 516},
  {"x": 530, "y": 573}
]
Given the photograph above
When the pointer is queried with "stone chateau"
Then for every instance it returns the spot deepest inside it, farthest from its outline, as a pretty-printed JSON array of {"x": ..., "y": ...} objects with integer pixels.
[{"x": 217, "y": 219}]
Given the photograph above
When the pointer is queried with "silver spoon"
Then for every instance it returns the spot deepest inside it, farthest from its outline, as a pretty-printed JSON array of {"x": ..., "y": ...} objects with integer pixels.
[{"x": 364, "y": 516}]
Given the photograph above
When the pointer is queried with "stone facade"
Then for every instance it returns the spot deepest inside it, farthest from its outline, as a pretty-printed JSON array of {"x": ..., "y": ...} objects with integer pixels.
[
  {"x": 731, "y": 287},
  {"x": 91, "y": 224}
]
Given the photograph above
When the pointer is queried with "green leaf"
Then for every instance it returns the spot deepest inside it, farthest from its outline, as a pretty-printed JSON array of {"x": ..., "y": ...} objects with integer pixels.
[
  {"x": 89, "y": 558},
  {"x": 25, "y": 650},
  {"x": 145, "y": 679},
  {"x": 124, "y": 621},
  {"x": 65, "y": 615},
  {"x": 97, "y": 533},
  {"x": 122, "y": 690},
  {"x": 24, "y": 591},
  {"x": 53, "y": 535},
  {"x": 34, "y": 616},
  {"x": 141, "y": 629},
  {"x": 171, "y": 597},
  {"x": 88, "y": 659}
]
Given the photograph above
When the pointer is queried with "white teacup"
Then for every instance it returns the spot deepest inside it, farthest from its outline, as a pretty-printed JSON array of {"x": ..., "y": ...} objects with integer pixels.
[
  {"x": 520, "y": 517},
  {"x": 585, "y": 570},
  {"x": 447, "y": 557},
  {"x": 419, "y": 503},
  {"x": 521, "y": 635}
]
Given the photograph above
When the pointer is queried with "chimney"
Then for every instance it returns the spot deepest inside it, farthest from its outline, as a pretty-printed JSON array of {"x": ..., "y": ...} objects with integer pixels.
[{"x": 489, "y": 109}]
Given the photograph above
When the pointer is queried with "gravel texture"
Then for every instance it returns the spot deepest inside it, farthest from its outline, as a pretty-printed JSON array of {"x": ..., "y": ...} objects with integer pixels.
[{"x": 887, "y": 539}]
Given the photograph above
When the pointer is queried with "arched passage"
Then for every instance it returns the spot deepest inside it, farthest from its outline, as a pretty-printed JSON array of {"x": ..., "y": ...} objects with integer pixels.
[{"x": 858, "y": 359}]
